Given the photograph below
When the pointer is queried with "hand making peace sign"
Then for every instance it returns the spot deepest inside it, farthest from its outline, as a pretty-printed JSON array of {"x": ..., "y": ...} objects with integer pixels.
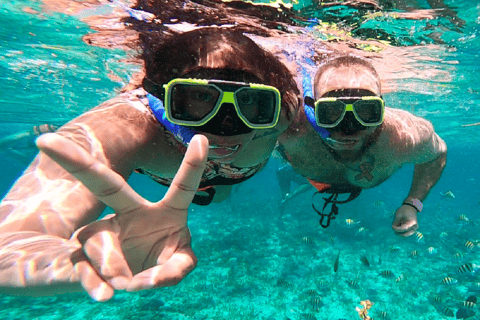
[{"x": 143, "y": 245}]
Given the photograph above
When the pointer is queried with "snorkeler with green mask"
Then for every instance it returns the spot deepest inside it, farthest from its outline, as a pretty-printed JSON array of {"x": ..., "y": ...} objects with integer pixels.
[
  {"x": 206, "y": 116},
  {"x": 346, "y": 140}
]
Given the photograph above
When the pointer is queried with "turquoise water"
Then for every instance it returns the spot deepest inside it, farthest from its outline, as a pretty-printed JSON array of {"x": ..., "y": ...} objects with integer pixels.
[{"x": 254, "y": 263}]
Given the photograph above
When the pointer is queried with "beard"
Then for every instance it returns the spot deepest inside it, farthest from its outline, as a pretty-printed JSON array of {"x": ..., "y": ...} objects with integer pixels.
[{"x": 345, "y": 156}]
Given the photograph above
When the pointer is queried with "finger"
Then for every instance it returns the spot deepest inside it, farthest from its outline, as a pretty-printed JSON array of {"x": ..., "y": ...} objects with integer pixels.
[
  {"x": 405, "y": 230},
  {"x": 169, "y": 274},
  {"x": 107, "y": 185},
  {"x": 101, "y": 245},
  {"x": 96, "y": 287},
  {"x": 185, "y": 184}
]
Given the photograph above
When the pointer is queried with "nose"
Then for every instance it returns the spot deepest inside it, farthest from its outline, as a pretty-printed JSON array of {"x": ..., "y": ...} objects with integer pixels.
[
  {"x": 349, "y": 124},
  {"x": 227, "y": 111}
]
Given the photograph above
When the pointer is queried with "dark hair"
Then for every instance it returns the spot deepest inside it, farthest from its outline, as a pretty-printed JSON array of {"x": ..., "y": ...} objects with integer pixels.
[{"x": 216, "y": 48}]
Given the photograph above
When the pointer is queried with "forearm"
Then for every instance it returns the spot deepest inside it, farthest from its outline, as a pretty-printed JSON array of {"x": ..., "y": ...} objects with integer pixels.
[
  {"x": 36, "y": 264},
  {"x": 425, "y": 176}
]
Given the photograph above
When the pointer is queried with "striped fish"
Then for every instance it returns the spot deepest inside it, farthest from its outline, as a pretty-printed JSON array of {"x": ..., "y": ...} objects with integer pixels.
[
  {"x": 365, "y": 261},
  {"x": 469, "y": 245},
  {"x": 449, "y": 281},
  {"x": 353, "y": 284},
  {"x": 419, "y": 237},
  {"x": 393, "y": 249},
  {"x": 350, "y": 222},
  {"x": 307, "y": 240},
  {"x": 470, "y": 302},
  {"x": 463, "y": 219},
  {"x": 448, "y": 312},
  {"x": 468, "y": 268},
  {"x": 458, "y": 255},
  {"x": 386, "y": 273},
  {"x": 399, "y": 278}
]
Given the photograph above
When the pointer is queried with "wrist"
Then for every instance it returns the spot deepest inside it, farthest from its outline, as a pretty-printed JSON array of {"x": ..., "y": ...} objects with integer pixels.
[{"x": 413, "y": 202}]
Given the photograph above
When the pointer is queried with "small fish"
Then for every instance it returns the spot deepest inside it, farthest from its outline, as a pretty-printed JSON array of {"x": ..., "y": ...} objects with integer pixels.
[
  {"x": 414, "y": 291},
  {"x": 469, "y": 245},
  {"x": 361, "y": 231},
  {"x": 419, "y": 237},
  {"x": 350, "y": 223},
  {"x": 364, "y": 261},
  {"x": 353, "y": 284},
  {"x": 443, "y": 234},
  {"x": 379, "y": 203},
  {"x": 432, "y": 250},
  {"x": 307, "y": 240},
  {"x": 437, "y": 300},
  {"x": 316, "y": 302},
  {"x": 468, "y": 267},
  {"x": 383, "y": 315},
  {"x": 312, "y": 292},
  {"x": 463, "y": 220},
  {"x": 448, "y": 194},
  {"x": 283, "y": 283},
  {"x": 448, "y": 312},
  {"x": 458, "y": 255},
  {"x": 400, "y": 278},
  {"x": 336, "y": 263},
  {"x": 414, "y": 253},
  {"x": 449, "y": 281},
  {"x": 469, "y": 304},
  {"x": 309, "y": 316},
  {"x": 386, "y": 273},
  {"x": 322, "y": 283},
  {"x": 393, "y": 249}
]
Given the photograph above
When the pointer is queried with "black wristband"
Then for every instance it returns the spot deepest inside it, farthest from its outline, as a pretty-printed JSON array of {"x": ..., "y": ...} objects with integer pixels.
[{"x": 411, "y": 205}]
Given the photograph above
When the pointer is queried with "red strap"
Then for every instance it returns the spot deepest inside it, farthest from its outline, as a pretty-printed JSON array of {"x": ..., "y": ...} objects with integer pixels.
[{"x": 320, "y": 186}]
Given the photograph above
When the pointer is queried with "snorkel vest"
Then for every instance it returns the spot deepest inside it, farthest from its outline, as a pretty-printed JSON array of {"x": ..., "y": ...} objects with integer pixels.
[{"x": 181, "y": 133}]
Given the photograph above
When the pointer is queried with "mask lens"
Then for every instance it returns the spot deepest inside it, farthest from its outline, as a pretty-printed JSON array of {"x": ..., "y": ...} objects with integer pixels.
[
  {"x": 256, "y": 106},
  {"x": 369, "y": 111},
  {"x": 329, "y": 112},
  {"x": 190, "y": 102}
]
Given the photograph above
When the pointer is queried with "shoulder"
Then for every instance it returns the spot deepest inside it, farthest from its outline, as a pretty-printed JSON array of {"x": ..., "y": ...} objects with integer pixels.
[
  {"x": 129, "y": 109},
  {"x": 413, "y": 138},
  {"x": 120, "y": 126}
]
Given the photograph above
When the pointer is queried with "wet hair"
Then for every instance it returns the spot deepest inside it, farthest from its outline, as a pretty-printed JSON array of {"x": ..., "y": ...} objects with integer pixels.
[
  {"x": 350, "y": 61},
  {"x": 219, "y": 49}
]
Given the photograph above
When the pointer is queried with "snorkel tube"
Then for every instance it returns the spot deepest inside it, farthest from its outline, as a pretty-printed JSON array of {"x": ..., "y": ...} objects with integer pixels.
[
  {"x": 309, "y": 111},
  {"x": 181, "y": 133}
]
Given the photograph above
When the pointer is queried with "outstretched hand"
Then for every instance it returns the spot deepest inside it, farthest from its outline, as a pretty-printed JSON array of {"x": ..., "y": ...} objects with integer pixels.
[
  {"x": 405, "y": 222},
  {"x": 143, "y": 245}
]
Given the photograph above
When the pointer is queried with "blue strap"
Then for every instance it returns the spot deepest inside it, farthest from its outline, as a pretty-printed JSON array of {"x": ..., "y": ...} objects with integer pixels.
[
  {"x": 181, "y": 133},
  {"x": 309, "y": 111}
]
